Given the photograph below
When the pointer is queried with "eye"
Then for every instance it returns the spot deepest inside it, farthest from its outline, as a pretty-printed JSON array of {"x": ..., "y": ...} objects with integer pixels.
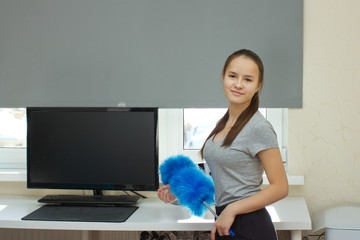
[
  {"x": 248, "y": 79},
  {"x": 232, "y": 76}
]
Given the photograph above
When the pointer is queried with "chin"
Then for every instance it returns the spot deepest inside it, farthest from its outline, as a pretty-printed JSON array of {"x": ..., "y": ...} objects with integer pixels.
[{"x": 239, "y": 103}]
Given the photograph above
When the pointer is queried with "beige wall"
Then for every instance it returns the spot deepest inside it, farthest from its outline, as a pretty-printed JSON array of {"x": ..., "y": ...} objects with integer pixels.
[{"x": 324, "y": 136}]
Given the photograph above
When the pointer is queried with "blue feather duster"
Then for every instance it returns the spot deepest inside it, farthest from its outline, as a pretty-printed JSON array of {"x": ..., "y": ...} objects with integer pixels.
[
  {"x": 171, "y": 165},
  {"x": 188, "y": 183},
  {"x": 192, "y": 187}
]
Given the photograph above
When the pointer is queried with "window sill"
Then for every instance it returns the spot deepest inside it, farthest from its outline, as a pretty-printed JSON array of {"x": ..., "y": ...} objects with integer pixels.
[
  {"x": 19, "y": 175},
  {"x": 13, "y": 175}
]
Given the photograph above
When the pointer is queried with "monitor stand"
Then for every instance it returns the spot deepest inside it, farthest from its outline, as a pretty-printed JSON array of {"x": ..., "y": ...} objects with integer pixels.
[
  {"x": 101, "y": 192},
  {"x": 98, "y": 192}
]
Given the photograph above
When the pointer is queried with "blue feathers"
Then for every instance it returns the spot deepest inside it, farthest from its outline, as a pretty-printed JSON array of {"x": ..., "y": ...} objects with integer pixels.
[
  {"x": 171, "y": 165},
  {"x": 188, "y": 183},
  {"x": 192, "y": 187}
]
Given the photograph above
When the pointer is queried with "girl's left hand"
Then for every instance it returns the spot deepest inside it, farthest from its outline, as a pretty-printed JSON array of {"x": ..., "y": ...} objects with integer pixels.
[{"x": 223, "y": 223}]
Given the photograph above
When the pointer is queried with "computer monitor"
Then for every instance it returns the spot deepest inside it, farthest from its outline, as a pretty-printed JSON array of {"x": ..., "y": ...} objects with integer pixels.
[{"x": 92, "y": 148}]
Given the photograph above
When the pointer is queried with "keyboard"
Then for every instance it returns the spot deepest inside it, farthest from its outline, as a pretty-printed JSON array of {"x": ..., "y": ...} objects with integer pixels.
[{"x": 91, "y": 199}]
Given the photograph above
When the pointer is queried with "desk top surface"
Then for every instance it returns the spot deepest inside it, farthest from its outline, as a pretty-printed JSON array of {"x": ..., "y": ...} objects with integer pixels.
[{"x": 290, "y": 213}]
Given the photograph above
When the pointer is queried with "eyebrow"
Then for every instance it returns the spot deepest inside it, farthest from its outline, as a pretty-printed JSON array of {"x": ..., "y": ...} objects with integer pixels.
[
  {"x": 251, "y": 76},
  {"x": 247, "y": 75}
]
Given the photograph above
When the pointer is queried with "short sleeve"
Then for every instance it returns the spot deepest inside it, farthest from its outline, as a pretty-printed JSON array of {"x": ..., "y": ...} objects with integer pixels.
[{"x": 263, "y": 137}]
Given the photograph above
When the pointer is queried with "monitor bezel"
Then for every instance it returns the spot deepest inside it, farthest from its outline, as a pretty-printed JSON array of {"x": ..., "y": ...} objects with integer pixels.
[{"x": 153, "y": 186}]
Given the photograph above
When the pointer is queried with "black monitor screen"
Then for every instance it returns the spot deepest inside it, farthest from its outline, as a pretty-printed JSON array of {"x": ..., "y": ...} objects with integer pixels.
[{"x": 92, "y": 148}]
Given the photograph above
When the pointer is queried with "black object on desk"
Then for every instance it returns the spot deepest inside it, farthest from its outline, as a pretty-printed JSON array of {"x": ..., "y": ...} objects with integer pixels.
[
  {"x": 82, "y": 213},
  {"x": 91, "y": 199}
]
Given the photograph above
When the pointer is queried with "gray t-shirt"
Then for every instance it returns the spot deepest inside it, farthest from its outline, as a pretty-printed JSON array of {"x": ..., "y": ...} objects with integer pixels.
[{"x": 237, "y": 170}]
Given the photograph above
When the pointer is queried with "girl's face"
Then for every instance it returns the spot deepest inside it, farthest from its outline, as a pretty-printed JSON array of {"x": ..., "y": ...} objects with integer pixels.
[{"x": 241, "y": 81}]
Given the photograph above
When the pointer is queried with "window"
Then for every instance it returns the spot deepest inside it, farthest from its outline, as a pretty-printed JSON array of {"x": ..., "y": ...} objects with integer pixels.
[
  {"x": 12, "y": 127},
  {"x": 12, "y": 137},
  {"x": 198, "y": 123},
  {"x": 183, "y": 131}
]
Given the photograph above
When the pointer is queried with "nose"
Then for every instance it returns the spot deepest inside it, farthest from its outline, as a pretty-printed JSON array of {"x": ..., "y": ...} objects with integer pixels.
[{"x": 239, "y": 83}]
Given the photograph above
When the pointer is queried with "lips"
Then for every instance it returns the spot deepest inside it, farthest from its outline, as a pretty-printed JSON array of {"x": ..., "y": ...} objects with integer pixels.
[{"x": 236, "y": 93}]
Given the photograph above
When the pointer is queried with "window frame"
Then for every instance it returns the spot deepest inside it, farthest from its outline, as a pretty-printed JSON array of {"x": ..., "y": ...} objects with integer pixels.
[{"x": 171, "y": 127}]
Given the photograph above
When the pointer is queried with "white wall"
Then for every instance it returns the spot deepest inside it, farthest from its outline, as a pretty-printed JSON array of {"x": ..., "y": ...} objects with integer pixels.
[{"x": 324, "y": 136}]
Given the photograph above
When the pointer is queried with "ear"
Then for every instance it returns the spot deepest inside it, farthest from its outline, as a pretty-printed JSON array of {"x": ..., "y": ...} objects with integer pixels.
[{"x": 259, "y": 86}]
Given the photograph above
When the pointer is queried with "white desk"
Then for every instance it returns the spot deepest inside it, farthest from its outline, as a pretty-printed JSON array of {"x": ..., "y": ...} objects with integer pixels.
[{"x": 290, "y": 213}]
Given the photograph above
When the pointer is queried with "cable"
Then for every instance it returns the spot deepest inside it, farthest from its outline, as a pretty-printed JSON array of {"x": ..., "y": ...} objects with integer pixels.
[
  {"x": 319, "y": 236},
  {"x": 323, "y": 234}
]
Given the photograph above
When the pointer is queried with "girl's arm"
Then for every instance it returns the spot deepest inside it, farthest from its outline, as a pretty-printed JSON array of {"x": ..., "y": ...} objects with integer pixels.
[{"x": 277, "y": 189}]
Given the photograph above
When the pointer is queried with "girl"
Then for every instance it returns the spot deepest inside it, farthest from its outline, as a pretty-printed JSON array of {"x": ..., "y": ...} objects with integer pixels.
[{"x": 242, "y": 145}]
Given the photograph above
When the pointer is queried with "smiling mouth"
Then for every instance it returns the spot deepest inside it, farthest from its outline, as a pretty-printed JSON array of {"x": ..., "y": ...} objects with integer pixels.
[{"x": 237, "y": 93}]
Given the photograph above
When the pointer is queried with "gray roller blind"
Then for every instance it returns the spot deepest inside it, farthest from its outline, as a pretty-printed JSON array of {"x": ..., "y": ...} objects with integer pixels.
[{"x": 162, "y": 53}]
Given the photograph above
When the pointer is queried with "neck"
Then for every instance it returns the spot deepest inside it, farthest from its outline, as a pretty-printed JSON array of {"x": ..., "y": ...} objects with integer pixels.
[{"x": 234, "y": 112}]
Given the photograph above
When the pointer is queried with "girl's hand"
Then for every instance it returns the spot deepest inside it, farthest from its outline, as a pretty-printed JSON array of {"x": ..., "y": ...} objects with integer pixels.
[
  {"x": 223, "y": 223},
  {"x": 165, "y": 194}
]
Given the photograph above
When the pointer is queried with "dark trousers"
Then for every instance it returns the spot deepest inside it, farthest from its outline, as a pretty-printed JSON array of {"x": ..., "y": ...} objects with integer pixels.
[{"x": 250, "y": 226}]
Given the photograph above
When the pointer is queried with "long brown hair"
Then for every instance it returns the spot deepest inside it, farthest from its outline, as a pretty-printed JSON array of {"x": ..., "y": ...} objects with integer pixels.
[{"x": 248, "y": 112}]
